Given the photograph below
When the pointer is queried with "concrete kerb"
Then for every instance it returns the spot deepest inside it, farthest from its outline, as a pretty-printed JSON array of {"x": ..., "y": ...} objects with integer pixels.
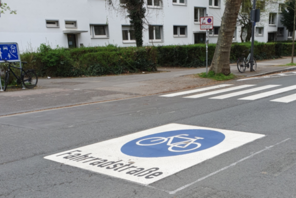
[{"x": 274, "y": 72}]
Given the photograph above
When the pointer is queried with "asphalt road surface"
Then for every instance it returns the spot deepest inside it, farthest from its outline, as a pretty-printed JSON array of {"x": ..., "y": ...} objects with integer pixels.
[{"x": 255, "y": 158}]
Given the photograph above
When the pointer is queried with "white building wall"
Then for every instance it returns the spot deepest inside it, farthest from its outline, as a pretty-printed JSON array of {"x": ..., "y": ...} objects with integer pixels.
[{"x": 28, "y": 26}]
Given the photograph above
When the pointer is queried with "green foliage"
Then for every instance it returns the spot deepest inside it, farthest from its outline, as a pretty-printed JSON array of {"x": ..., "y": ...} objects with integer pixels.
[
  {"x": 5, "y": 8},
  {"x": 93, "y": 61},
  {"x": 218, "y": 77},
  {"x": 287, "y": 18}
]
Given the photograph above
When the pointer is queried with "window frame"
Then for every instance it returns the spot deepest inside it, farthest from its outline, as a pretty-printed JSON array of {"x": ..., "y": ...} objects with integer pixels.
[
  {"x": 273, "y": 16},
  {"x": 177, "y": 2},
  {"x": 94, "y": 36},
  {"x": 127, "y": 28},
  {"x": 71, "y": 27},
  {"x": 281, "y": 7},
  {"x": 154, "y": 34},
  {"x": 282, "y": 33},
  {"x": 212, "y": 31},
  {"x": 153, "y": 4},
  {"x": 212, "y": 5},
  {"x": 197, "y": 20},
  {"x": 257, "y": 31},
  {"x": 56, "y": 25},
  {"x": 178, "y": 35}
]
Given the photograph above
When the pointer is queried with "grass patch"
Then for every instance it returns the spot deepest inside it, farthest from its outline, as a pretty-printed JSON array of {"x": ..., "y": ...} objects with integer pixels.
[
  {"x": 291, "y": 64},
  {"x": 218, "y": 77}
]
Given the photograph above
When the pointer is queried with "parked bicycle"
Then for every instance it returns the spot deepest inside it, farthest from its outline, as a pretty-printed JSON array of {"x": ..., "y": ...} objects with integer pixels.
[
  {"x": 27, "y": 78},
  {"x": 243, "y": 63}
]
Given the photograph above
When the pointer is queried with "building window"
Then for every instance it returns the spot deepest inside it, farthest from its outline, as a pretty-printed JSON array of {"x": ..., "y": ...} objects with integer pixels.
[
  {"x": 280, "y": 32},
  {"x": 99, "y": 31},
  {"x": 154, "y": 3},
  {"x": 214, "y": 31},
  {"x": 70, "y": 24},
  {"x": 128, "y": 34},
  {"x": 214, "y": 3},
  {"x": 272, "y": 17},
  {"x": 52, "y": 23},
  {"x": 180, "y": 31},
  {"x": 234, "y": 35},
  {"x": 180, "y": 2},
  {"x": 259, "y": 31},
  {"x": 281, "y": 7},
  {"x": 155, "y": 33},
  {"x": 290, "y": 34},
  {"x": 199, "y": 12}
]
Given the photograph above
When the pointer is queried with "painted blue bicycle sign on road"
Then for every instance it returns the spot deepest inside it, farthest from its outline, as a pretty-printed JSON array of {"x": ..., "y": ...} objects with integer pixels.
[
  {"x": 172, "y": 143},
  {"x": 9, "y": 52}
]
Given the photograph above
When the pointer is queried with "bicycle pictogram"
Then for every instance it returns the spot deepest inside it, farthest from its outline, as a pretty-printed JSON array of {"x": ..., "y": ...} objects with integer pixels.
[{"x": 184, "y": 145}]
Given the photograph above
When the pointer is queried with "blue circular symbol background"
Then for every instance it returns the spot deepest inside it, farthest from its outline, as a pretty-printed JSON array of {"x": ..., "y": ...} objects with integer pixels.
[
  {"x": 209, "y": 20},
  {"x": 173, "y": 143}
]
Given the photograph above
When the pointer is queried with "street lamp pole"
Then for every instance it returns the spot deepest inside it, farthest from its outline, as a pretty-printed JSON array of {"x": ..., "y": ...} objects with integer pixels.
[{"x": 253, "y": 34}]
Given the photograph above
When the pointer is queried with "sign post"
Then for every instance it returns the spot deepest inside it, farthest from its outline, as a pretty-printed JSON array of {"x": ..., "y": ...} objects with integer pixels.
[
  {"x": 206, "y": 23},
  {"x": 9, "y": 52}
]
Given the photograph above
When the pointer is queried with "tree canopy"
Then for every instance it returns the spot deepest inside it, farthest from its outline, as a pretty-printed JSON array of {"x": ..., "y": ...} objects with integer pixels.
[
  {"x": 5, "y": 8},
  {"x": 288, "y": 15}
]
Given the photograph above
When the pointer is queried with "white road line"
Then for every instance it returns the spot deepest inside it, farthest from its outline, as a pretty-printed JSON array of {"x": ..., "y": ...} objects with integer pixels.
[
  {"x": 244, "y": 92},
  {"x": 225, "y": 168},
  {"x": 286, "y": 99},
  {"x": 218, "y": 91},
  {"x": 247, "y": 79},
  {"x": 269, "y": 93},
  {"x": 195, "y": 90}
]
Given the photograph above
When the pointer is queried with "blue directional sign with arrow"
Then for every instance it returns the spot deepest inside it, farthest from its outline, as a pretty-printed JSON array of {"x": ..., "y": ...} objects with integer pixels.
[{"x": 9, "y": 52}]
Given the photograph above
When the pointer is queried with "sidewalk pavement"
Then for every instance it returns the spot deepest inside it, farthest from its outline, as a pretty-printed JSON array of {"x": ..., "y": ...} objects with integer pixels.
[{"x": 67, "y": 92}]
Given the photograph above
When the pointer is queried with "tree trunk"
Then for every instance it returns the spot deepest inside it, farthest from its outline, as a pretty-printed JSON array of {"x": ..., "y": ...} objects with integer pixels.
[{"x": 220, "y": 62}]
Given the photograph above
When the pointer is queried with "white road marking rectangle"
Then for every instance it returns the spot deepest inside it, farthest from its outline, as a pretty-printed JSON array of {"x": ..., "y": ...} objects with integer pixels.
[
  {"x": 219, "y": 91},
  {"x": 244, "y": 92},
  {"x": 269, "y": 93},
  {"x": 195, "y": 90},
  {"x": 150, "y": 155},
  {"x": 286, "y": 99}
]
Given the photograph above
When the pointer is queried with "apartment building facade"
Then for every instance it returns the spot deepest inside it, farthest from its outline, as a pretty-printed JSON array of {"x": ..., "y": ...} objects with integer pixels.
[{"x": 78, "y": 23}]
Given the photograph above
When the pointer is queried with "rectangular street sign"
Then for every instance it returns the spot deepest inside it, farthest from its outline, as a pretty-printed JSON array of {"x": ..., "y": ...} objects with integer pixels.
[
  {"x": 206, "y": 23},
  {"x": 9, "y": 52}
]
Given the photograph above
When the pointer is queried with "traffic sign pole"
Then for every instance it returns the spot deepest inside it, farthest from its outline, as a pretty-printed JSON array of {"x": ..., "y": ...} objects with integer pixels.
[
  {"x": 253, "y": 29},
  {"x": 206, "y": 23}
]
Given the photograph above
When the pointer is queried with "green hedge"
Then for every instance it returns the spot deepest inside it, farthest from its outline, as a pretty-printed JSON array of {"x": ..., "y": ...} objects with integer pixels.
[{"x": 93, "y": 61}]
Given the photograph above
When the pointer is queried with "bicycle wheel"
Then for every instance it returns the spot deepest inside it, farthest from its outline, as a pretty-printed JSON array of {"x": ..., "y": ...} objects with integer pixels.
[
  {"x": 6, "y": 80},
  {"x": 173, "y": 148},
  {"x": 254, "y": 65},
  {"x": 151, "y": 141},
  {"x": 29, "y": 79},
  {"x": 241, "y": 65}
]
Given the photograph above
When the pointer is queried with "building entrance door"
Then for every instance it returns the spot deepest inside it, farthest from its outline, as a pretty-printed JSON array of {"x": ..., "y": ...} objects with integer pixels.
[
  {"x": 271, "y": 37},
  {"x": 71, "y": 40},
  {"x": 199, "y": 38}
]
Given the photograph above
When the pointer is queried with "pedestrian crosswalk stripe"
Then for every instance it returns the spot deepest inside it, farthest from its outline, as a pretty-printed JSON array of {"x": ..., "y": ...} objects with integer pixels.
[
  {"x": 219, "y": 91},
  {"x": 196, "y": 90},
  {"x": 244, "y": 92},
  {"x": 286, "y": 99},
  {"x": 269, "y": 93}
]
